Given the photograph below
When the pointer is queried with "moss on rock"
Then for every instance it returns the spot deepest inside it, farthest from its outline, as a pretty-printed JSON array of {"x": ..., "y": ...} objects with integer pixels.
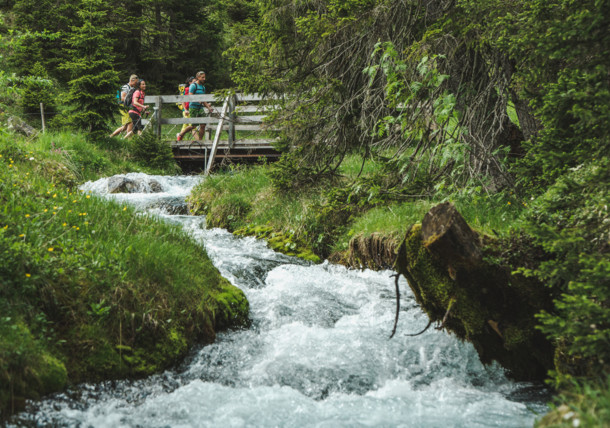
[
  {"x": 281, "y": 242},
  {"x": 490, "y": 306}
]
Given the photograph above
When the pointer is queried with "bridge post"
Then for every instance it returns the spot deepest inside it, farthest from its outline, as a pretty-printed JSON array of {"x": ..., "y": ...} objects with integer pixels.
[
  {"x": 232, "y": 116},
  {"x": 158, "y": 105}
]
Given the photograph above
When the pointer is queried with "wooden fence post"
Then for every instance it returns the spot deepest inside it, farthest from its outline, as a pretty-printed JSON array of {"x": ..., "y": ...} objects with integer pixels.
[
  {"x": 158, "y": 105},
  {"x": 42, "y": 116}
]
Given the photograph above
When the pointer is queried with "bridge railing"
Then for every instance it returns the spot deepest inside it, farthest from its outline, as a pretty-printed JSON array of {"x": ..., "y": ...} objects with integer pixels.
[
  {"x": 244, "y": 112},
  {"x": 239, "y": 112}
]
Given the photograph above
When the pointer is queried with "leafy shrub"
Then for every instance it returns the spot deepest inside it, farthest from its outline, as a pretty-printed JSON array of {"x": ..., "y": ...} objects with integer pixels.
[
  {"x": 35, "y": 89},
  {"x": 571, "y": 222},
  {"x": 149, "y": 149}
]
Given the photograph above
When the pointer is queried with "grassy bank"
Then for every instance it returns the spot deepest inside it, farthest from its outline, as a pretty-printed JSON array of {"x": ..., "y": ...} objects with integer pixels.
[
  {"x": 89, "y": 290},
  {"x": 324, "y": 218}
]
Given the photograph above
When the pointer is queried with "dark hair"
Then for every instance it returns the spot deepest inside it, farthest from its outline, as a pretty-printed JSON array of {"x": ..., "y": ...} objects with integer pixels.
[
  {"x": 189, "y": 80},
  {"x": 139, "y": 83}
]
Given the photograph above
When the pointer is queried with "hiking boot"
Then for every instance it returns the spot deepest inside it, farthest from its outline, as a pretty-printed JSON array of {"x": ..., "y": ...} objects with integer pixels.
[{"x": 178, "y": 137}]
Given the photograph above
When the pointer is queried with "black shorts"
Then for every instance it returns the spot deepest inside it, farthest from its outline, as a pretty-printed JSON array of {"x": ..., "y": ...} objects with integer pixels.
[{"x": 136, "y": 119}]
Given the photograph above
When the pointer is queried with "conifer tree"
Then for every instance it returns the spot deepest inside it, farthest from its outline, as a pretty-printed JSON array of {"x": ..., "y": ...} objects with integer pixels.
[{"x": 93, "y": 78}]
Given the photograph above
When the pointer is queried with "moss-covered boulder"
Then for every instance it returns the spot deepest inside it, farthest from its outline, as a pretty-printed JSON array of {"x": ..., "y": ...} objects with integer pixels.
[{"x": 467, "y": 284}]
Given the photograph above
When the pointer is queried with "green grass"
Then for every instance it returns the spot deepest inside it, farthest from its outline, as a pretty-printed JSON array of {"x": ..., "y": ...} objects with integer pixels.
[
  {"x": 245, "y": 196},
  {"x": 88, "y": 289},
  {"x": 352, "y": 165},
  {"x": 89, "y": 161}
]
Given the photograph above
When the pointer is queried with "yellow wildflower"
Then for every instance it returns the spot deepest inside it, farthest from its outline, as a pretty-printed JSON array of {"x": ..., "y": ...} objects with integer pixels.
[
  {"x": 50, "y": 249},
  {"x": 27, "y": 215},
  {"x": 27, "y": 275}
]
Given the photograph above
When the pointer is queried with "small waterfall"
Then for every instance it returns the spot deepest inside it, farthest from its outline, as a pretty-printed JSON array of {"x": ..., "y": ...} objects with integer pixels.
[{"x": 317, "y": 353}]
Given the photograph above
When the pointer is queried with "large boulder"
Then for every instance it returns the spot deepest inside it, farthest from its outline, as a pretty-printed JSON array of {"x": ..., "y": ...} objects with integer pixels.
[{"x": 122, "y": 184}]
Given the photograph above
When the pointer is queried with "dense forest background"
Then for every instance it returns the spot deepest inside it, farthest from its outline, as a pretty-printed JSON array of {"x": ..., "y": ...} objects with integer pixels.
[{"x": 469, "y": 98}]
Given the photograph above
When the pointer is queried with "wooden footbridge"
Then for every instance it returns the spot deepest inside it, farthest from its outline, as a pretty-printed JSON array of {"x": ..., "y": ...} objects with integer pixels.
[{"x": 235, "y": 132}]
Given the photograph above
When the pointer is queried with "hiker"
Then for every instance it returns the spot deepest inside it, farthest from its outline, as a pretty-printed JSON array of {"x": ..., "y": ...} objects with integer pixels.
[
  {"x": 196, "y": 108},
  {"x": 126, "y": 123},
  {"x": 185, "y": 111},
  {"x": 138, "y": 108}
]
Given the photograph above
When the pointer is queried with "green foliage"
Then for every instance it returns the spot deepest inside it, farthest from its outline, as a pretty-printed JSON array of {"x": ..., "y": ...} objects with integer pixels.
[
  {"x": 150, "y": 150},
  {"x": 570, "y": 221},
  {"x": 38, "y": 88},
  {"x": 93, "y": 79},
  {"x": 292, "y": 171},
  {"x": 165, "y": 42}
]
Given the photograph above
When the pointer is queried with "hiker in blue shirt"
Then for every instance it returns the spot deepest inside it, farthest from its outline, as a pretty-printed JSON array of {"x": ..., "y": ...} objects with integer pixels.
[{"x": 196, "y": 108}]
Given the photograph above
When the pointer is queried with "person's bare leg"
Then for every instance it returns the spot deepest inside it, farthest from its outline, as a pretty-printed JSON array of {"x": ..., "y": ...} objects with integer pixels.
[
  {"x": 118, "y": 130},
  {"x": 201, "y": 132},
  {"x": 184, "y": 131}
]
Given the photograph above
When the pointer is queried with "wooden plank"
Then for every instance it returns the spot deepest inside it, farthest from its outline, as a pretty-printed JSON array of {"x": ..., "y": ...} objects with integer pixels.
[
  {"x": 194, "y": 144},
  {"x": 260, "y": 127},
  {"x": 192, "y": 120},
  {"x": 217, "y": 136},
  {"x": 210, "y": 98},
  {"x": 229, "y": 155},
  {"x": 250, "y": 119},
  {"x": 256, "y": 109},
  {"x": 177, "y": 99},
  {"x": 240, "y": 120},
  {"x": 256, "y": 97}
]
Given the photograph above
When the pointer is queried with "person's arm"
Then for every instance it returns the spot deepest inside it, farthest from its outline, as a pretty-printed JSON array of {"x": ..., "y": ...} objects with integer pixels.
[{"x": 210, "y": 109}]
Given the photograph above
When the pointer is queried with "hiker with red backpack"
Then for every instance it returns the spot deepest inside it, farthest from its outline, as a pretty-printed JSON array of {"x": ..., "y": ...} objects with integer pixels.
[
  {"x": 137, "y": 107},
  {"x": 185, "y": 110}
]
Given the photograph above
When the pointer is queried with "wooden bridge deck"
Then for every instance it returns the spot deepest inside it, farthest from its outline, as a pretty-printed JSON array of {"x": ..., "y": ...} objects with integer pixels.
[{"x": 197, "y": 153}]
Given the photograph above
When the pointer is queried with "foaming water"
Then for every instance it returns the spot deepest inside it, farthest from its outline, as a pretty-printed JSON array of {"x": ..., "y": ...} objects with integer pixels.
[{"x": 317, "y": 354}]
